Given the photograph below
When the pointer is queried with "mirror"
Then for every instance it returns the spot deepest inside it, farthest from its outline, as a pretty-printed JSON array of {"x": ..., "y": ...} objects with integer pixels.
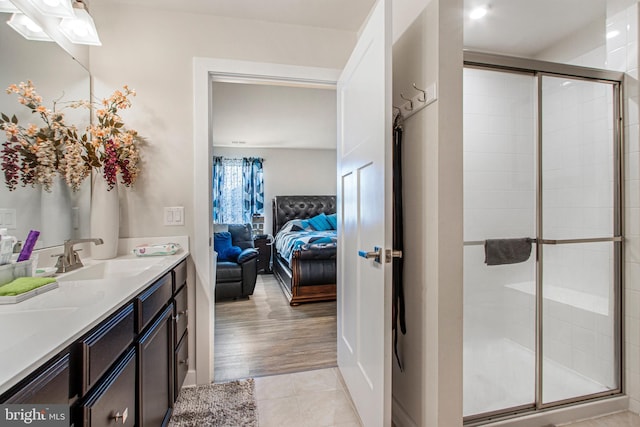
[{"x": 60, "y": 214}]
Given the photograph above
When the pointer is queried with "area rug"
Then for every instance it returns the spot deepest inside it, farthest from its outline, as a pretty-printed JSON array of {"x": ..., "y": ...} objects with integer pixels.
[{"x": 225, "y": 404}]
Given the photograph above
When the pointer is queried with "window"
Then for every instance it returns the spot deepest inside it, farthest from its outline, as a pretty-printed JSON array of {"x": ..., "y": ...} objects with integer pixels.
[{"x": 238, "y": 190}]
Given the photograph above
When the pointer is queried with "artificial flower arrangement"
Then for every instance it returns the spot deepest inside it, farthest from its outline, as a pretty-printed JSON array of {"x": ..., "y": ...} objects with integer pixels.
[{"x": 33, "y": 155}]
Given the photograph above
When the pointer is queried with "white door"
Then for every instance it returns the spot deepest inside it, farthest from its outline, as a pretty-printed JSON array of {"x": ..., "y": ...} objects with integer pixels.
[{"x": 364, "y": 200}]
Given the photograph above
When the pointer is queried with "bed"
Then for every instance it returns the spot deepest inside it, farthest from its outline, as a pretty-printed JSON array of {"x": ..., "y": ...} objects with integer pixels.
[{"x": 304, "y": 267}]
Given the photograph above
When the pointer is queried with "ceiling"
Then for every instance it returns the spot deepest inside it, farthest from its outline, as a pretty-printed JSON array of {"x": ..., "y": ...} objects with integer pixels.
[
  {"x": 347, "y": 15},
  {"x": 268, "y": 116},
  {"x": 513, "y": 27},
  {"x": 526, "y": 27}
]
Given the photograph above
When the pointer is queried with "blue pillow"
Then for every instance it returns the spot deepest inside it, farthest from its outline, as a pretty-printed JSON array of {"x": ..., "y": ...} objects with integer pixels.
[
  {"x": 221, "y": 242},
  {"x": 333, "y": 220},
  {"x": 232, "y": 253},
  {"x": 320, "y": 222}
]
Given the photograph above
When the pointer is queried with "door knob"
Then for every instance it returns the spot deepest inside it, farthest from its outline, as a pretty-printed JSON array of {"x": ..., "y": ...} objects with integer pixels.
[{"x": 376, "y": 254}]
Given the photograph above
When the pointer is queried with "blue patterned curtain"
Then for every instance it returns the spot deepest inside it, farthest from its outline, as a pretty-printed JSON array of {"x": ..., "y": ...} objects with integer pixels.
[
  {"x": 253, "y": 185},
  {"x": 238, "y": 190},
  {"x": 217, "y": 188}
]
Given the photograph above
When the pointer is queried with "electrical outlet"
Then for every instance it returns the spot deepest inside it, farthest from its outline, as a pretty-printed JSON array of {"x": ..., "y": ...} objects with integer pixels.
[{"x": 174, "y": 215}]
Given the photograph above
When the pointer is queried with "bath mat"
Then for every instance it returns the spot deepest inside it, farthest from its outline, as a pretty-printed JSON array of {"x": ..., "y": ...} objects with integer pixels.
[{"x": 225, "y": 404}]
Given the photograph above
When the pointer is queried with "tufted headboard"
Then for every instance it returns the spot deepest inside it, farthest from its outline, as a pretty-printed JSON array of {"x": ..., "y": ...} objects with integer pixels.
[{"x": 286, "y": 208}]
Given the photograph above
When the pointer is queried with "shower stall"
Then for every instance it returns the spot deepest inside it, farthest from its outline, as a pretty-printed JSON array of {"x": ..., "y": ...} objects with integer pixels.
[{"x": 542, "y": 160}]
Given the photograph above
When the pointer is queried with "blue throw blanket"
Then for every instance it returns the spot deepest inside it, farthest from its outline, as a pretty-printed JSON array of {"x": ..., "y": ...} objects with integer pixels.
[{"x": 287, "y": 242}]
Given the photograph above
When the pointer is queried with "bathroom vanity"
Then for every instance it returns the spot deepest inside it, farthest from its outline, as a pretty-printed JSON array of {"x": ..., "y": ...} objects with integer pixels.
[{"x": 111, "y": 342}]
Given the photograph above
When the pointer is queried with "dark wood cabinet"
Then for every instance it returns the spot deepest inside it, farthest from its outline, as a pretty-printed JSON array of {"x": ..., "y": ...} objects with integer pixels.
[
  {"x": 180, "y": 315},
  {"x": 263, "y": 243},
  {"x": 113, "y": 400},
  {"x": 149, "y": 302},
  {"x": 48, "y": 385},
  {"x": 181, "y": 364},
  {"x": 155, "y": 368},
  {"x": 128, "y": 370},
  {"x": 180, "y": 332},
  {"x": 103, "y": 346}
]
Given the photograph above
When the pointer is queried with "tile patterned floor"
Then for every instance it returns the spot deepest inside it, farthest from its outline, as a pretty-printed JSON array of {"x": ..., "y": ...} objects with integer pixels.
[
  {"x": 622, "y": 419},
  {"x": 304, "y": 399},
  {"x": 318, "y": 399}
]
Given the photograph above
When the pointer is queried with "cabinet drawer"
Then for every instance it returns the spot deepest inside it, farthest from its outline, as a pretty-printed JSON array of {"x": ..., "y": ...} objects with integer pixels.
[
  {"x": 151, "y": 301},
  {"x": 181, "y": 360},
  {"x": 179, "y": 275},
  {"x": 103, "y": 346},
  {"x": 181, "y": 314},
  {"x": 113, "y": 401},
  {"x": 48, "y": 386}
]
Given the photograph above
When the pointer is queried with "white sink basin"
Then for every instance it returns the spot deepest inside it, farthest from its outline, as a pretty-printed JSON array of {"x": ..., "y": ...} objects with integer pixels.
[
  {"x": 110, "y": 269},
  {"x": 18, "y": 325}
]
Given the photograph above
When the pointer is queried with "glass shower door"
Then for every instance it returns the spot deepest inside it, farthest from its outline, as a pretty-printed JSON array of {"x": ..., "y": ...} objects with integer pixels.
[
  {"x": 499, "y": 360},
  {"x": 580, "y": 250}
]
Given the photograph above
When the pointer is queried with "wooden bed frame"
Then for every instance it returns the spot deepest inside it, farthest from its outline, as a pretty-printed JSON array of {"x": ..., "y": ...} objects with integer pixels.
[{"x": 296, "y": 287}]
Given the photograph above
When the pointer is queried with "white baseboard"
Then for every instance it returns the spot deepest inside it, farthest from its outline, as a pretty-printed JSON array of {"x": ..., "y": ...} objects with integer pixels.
[
  {"x": 190, "y": 378},
  {"x": 399, "y": 416}
]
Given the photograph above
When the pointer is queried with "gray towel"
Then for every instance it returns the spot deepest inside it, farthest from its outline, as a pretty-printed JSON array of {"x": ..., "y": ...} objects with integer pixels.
[{"x": 507, "y": 251}]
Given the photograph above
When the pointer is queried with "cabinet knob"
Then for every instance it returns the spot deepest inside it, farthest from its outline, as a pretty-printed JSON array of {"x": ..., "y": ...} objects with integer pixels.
[
  {"x": 180, "y": 314},
  {"x": 118, "y": 417},
  {"x": 184, "y": 362}
]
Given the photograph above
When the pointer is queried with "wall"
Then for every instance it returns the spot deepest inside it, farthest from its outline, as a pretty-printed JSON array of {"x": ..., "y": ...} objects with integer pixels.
[
  {"x": 290, "y": 171},
  {"x": 429, "y": 390},
  {"x": 153, "y": 51}
]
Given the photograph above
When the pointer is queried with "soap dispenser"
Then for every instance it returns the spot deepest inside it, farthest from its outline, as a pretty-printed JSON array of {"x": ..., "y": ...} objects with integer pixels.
[{"x": 6, "y": 246}]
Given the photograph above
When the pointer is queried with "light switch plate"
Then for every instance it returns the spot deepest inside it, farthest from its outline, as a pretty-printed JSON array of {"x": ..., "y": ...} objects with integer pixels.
[
  {"x": 174, "y": 215},
  {"x": 8, "y": 218}
]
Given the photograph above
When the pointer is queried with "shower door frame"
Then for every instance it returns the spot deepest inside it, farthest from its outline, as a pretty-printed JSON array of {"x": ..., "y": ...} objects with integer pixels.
[{"x": 538, "y": 70}]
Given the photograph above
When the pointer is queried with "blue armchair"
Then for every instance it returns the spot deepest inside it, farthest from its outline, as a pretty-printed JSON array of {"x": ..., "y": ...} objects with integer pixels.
[{"x": 237, "y": 268}]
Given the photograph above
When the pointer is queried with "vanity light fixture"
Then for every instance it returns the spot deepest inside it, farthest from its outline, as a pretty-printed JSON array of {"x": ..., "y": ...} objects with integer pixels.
[
  {"x": 478, "y": 12},
  {"x": 55, "y": 8},
  {"x": 80, "y": 29},
  {"x": 27, "y": 28},
  {"x": 7, "y": 7}
]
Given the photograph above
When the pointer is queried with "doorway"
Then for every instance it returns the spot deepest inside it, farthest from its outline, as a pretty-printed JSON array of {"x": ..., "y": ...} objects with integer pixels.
[
  {"x": 542, "y": 163},
  {"x": 291, "y": 128}
]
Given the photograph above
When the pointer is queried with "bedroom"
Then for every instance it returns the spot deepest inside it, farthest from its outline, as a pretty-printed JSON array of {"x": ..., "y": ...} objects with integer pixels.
[{"x": 292, "y": 129}]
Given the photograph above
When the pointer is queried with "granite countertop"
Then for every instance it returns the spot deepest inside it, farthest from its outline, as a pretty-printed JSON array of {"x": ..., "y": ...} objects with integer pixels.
[{"x": 37, "y": 329}]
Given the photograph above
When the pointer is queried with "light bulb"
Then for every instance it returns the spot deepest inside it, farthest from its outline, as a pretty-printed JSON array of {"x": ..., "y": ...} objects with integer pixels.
[
  {"x": 478, "y": 12},
  {"x": 80, "y": 29}
]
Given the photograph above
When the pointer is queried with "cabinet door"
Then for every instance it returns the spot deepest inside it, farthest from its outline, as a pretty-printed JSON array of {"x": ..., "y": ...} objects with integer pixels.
[
  {"x": 181, "y": 360},
  {"x": 48, "y": 386},
  {"x": 155, "y": 353},
  {"x": 113, "y": 401}
]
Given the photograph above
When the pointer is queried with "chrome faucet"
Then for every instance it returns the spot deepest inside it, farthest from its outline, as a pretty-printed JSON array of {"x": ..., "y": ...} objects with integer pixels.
[{"x": 70, "y": 260}]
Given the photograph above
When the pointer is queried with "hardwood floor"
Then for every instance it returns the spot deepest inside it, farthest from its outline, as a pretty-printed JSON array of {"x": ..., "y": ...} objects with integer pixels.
[{"x": 264, "y": 335}]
